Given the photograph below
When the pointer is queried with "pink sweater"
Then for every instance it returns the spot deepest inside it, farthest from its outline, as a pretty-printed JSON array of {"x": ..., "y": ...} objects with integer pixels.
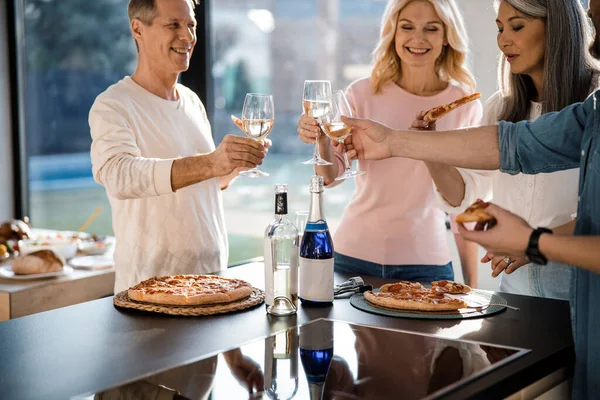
[{"x": 393, "y": 216}]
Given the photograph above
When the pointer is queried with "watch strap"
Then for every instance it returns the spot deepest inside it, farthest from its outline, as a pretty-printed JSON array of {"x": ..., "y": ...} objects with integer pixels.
[{"x": 533, "y": 248}]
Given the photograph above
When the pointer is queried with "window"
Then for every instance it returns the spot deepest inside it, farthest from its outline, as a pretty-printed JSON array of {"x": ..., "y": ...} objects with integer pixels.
[
  {"x": 272, "y": 47},
  {"x": 73, "y": 51}
]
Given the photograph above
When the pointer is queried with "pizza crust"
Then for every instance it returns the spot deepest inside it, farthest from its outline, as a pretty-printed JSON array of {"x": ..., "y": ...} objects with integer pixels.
[{"x": 190, "y": 290}]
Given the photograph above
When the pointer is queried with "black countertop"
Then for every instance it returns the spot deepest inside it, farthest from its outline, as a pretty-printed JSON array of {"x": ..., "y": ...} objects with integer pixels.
[{"x": 91, "y": 346}]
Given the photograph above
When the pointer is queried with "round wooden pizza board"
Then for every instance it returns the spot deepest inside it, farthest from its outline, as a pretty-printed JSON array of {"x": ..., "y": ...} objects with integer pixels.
[
  {"x": 359, "y": 301},
  {"x": 255, "y": 298}
]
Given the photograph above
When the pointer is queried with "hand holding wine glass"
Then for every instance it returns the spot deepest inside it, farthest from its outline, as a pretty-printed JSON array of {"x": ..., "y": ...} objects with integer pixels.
[
  {"x": 336, "y": 129},
  {"x": 258, "y": 118},
  {"x": 316, "y": 102}
]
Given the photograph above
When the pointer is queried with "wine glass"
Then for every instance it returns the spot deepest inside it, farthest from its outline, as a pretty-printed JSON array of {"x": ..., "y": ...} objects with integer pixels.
[
  {"x": 258, "y": 118},
  {"x": 332, "y": 125},
  {"x": 301, "y": 220},
  {"x": 316, "y": 103}
]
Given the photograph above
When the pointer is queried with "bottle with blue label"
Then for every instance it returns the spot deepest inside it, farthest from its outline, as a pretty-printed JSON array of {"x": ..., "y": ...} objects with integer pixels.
[{"x": 316, "y": 252}]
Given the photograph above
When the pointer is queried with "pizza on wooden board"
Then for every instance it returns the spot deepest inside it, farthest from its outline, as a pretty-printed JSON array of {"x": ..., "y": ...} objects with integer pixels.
[
  {"x": 190, "y": 290},
  {"x": 438, "y": 112},
  {"x": 476, "y": 213}
]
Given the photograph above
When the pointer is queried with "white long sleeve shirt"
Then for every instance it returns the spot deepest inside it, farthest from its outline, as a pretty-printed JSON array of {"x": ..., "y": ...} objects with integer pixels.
[
  {"x": 548, "y": 200},
  {"x": 136, "y": 136}
]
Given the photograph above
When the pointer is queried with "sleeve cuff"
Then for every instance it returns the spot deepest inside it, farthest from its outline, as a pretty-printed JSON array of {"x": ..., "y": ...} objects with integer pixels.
[
  {"x": 507, "y": 143},
  {"x": 338, "y": 162},
  {"x": 162, "y": 176}
]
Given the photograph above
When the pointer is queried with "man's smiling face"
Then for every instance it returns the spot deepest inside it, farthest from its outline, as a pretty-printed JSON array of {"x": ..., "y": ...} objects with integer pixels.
[{"x": 168, "y": 42}]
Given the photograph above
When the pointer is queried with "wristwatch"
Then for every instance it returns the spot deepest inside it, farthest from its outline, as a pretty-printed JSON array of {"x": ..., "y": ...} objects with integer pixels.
[{"x": 533, "y": 248}]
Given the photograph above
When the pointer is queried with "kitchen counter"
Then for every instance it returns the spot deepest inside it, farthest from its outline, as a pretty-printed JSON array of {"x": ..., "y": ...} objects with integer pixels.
[
  {"x": 88, "y": 347},
  {"x": 29, "y": 296}
]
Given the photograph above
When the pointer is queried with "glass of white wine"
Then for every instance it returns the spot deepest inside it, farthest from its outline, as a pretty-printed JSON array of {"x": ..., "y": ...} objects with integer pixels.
[
  {"x": 316, "y": 103},
  {"x": 332, "y": 125},
  {"x": 258, "y": 118},
  {"x": 301, "y": 220}
]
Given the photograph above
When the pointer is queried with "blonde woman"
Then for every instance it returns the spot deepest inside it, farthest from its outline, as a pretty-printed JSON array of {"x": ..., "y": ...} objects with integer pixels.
[
  {"x": 393, "y": 226},
  {"x": 545, "y": 67}
]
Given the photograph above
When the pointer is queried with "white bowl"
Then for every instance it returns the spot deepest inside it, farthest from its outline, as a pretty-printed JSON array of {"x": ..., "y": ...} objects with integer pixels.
[
  {"x": 65, "y": 247},
  {"x": 98, "y": 247}
]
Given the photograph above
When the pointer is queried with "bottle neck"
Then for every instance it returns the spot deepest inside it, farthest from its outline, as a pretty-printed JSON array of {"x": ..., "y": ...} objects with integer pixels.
[
  {"x": 315, "y": 213},
  {"x": 281, "y": 206},
  {"x": 316, "y": 390}
]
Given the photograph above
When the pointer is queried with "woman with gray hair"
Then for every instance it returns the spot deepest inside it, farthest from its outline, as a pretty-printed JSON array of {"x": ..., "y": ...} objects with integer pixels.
[{"x": 545, "y": 66}]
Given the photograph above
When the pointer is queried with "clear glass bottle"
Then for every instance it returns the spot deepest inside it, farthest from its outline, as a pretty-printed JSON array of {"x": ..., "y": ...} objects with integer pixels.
[
  {"x": 316, "y": 252},
  {"x": 281, "y": 259},
  {"x": 316, "y": 353},
  {"x": 281, "y": 365}
]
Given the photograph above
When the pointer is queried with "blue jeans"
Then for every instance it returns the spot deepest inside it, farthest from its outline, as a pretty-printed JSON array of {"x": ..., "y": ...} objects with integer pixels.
[{"x": 415, "y": 273}]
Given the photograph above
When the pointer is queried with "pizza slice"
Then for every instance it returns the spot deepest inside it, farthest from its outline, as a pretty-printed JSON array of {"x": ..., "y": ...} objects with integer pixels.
[
  {"x": 402, "y": 286},
  {"x": 449, "y": 287},
  {"x": 437, "y": 112},
  {"x": 476, "y": 213}
]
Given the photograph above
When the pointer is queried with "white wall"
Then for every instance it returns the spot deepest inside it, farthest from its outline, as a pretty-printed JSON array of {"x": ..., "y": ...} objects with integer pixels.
[
  {"x": 6, "y": 172},
  {"x": 480, "y": 17}
]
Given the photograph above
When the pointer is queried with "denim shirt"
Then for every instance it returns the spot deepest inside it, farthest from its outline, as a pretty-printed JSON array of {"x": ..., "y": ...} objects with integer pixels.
[{"x": 558, "y": 141}]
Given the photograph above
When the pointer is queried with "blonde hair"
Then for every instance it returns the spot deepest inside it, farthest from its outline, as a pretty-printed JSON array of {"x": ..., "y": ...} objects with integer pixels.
[{"x": 451, "y": 65}]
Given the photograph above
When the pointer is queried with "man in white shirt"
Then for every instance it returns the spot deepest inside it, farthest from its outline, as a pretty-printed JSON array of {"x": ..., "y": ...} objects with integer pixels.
[{"x": 153, "y": 151}]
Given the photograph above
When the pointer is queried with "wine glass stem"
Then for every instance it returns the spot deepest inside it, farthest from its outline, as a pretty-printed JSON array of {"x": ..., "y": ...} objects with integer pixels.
[
  {"x": 346, "y": 161},
  {"x": 317, "y": 152}
]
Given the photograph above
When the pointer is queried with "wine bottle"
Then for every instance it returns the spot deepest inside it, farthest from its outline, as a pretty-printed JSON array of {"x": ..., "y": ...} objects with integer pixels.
[
  {"x": 281, "y": 259},
  {"x": 281, "y": 365},
  {"x": 316, "y": 353},
  {"x": 316, "y": 252}
]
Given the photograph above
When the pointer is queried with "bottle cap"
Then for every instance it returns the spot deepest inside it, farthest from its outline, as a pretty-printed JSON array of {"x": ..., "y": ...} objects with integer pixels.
[
  {"x": 316, "y": 184},
  {"x": 280, "y": 188}
]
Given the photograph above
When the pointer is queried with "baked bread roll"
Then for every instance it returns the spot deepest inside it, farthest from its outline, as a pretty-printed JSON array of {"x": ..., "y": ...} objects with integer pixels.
[
  {"x": 14, "y": 230},
  {"x": 38, "y": 262}
]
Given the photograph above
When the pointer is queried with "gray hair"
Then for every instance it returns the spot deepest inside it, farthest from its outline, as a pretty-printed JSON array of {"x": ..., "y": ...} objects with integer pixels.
[
  {"x": 568, "y": 65},
  {"x": 145, "y": 10}
]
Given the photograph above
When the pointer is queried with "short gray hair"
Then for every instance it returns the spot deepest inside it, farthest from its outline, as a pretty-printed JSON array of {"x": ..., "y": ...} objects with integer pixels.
[
  {"x": 145, "y": 10},
  {"x": 568, "y": 65}
]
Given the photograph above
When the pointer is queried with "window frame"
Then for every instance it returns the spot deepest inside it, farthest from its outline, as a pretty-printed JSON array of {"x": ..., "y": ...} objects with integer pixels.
[
  {"x": 197, "y": 77},
  {"x": 15, "y": 25}
]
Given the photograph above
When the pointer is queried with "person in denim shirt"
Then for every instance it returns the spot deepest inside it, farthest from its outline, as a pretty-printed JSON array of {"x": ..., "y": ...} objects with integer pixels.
[{"x": 556, "y": 141}]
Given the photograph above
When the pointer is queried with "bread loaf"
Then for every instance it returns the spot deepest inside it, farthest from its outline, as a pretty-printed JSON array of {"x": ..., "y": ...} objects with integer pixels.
[{"x": 38, "y": 262}]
